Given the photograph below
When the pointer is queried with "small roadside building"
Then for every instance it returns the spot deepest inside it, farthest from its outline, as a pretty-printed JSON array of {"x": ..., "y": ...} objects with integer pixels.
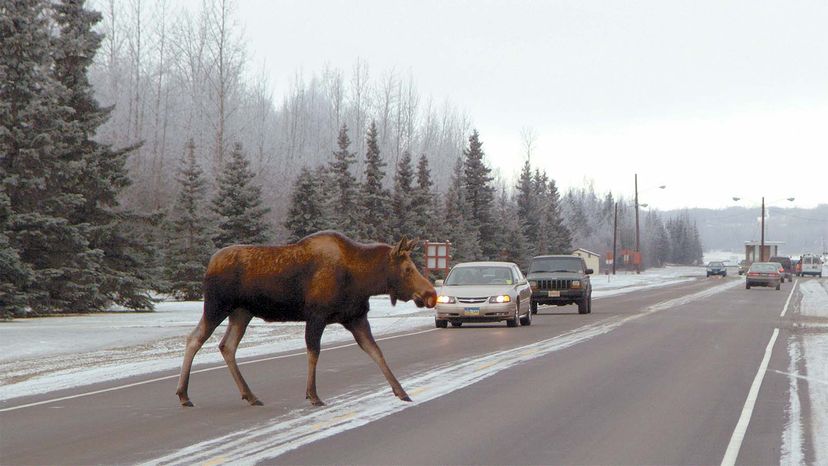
[
  {"x": 753, "y": 250},
  {"x": 592, "y": 259}
]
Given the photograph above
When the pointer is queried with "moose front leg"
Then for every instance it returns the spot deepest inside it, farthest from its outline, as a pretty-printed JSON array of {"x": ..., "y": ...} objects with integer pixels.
[
  {"x": 361, "y": 330},
  {"x": 313, "y": 342}
]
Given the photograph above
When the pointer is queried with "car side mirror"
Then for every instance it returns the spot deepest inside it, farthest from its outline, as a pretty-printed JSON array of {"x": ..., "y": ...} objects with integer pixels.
[
  {"x": 523, "y": 282},
  {"x": 438, "y": 282},
  {"x": 589, "y": 271}
]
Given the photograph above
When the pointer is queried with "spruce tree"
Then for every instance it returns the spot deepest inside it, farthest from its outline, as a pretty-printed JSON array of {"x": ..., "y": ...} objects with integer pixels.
[
  {"x": 479, "y": 194},
  {"x": 38, "y": 168},
  {"x": 16, "y": 274},
  {"x": 189, "y": 231},
  {"x": 403, "y": 221},
  {"x": 560, "y": 238},
  {"x": 459, "y": 230},
  {"x": 345, "y": 189},
  {"x": 527, "y": 204},
  {"x": 306, "y": 213},
  {"x": 121, "y": 239},
  {"x": 422, "y": 203},
  {"x": 375, "y": 203},
  {"x": 238, "y": 204},
  {"x": 510, "y": 239}
]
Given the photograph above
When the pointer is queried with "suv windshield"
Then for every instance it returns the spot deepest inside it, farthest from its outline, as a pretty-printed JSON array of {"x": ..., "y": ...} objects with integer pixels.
[
  {"x": 715, "y": 264},
  {"x": 480, "y": 276},
  {"x": 557, "y": 264}
]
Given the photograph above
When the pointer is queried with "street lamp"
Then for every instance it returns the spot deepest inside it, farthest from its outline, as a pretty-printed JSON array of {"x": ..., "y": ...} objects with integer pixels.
[
  {"x": 762, "y": 236},
  {"x": 637, "y": 238}
]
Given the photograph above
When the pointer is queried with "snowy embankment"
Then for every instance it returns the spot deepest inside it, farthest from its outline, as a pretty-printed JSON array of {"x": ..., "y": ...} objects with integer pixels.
[
  {"x": 810, "y": 346},
  {"x": 46, "y": 354}
]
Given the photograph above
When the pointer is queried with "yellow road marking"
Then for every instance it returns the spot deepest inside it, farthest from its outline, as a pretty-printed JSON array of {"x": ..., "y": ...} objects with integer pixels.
[
  {"x": 485, "y": 366},
  {"x": 418, "y": 390}
]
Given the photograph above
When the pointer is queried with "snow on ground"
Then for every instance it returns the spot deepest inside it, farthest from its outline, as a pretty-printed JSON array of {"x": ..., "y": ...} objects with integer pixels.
[
  {"x": 40, "y": 355},
  {"x": 814, "y": 308}
]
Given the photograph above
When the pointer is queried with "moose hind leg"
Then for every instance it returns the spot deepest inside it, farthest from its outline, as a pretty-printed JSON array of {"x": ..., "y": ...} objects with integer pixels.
[
  {"x": 361, "y": 330},
  {"x": 239, "y": 319},
  {"x": 195, "y": 340},
  {"x": 313, "y": 339}
]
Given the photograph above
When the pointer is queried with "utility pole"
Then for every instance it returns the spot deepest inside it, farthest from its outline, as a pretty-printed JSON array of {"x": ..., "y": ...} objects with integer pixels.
[
  {"x": 762, "y": 245},
  {"x": 637, "y": 257},
  {"x": 615, "y": 239}
]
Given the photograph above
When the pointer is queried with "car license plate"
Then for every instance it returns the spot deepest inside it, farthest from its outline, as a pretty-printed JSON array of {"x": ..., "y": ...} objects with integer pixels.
[
  {"x": 471, "y": 311},
  {"x": 554, "y": 294}
]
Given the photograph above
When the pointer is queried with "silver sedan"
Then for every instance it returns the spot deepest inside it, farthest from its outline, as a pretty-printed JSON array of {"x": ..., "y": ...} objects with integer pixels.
[{"x": 483, "y": 292}]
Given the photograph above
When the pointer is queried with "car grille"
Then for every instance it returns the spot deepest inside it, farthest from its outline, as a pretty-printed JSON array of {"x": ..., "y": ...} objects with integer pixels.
[
  {"x": 558, "y": 284},
  {"x": 472, "y": 300}
]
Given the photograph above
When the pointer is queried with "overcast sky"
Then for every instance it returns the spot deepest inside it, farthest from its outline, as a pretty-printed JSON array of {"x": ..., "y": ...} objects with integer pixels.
[{"x": 712, "y": 98}]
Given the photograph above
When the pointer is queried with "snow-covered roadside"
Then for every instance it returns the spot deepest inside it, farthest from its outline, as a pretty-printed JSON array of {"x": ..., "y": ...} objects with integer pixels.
[
  {"x": 812, "y": 346},
  {"x": 47, "y": 354}
]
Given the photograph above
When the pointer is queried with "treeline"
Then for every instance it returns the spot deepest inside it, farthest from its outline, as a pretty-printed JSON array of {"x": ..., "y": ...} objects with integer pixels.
[
  {"x": 482, "y": 220},
  {"x": 591, "y": 218},
  {"x": 181, "y": 71}
]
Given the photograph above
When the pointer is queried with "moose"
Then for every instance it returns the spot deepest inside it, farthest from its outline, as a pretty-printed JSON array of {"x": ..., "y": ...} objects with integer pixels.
[{"x": 322, "y": 279}]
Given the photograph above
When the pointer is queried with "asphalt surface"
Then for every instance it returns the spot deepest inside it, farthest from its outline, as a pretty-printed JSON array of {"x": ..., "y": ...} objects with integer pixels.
[{"x": 664, "y": 381}]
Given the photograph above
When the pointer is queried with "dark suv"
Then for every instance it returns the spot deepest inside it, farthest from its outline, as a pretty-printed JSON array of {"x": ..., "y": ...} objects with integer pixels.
[{"x": 560, "y": 280}]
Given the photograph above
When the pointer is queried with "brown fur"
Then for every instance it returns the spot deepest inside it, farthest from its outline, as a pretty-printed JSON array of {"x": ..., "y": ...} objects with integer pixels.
[{"x": 324, "y": 278}]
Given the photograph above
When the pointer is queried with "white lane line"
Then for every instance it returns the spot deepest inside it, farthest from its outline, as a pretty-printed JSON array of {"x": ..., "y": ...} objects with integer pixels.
[
  {"x": 785, "y": 309},
  {"x": 168, "y": 377},
  {"x": 276, "y": 436},
  {"x": 732, "y": 452}
]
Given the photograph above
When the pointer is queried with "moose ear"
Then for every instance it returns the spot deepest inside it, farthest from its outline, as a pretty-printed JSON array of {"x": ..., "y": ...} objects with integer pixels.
[
  {"x": 400, "y": 247},
  {"x": 412, "y": 244}
]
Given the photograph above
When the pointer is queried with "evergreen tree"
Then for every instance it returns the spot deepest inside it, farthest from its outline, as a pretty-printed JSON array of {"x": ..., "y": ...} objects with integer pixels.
[
  {"x": 463, "y": 235},
  {"x": 375, "y": 203},
  {"x": 422, "y": 203},
  {"x": 479, "y": 194},
  {"x": 238, "y": 204},
  {"x": 560, "y": 238},
  {"x": 345, "y": 189},
  {"x": 189, "y": 243},
  {"x": 402, "y": 201},
  {"x": 527, "y": 204},
  {"x": 306, "y": 214},
  {"x": 16, "y": 275},
  {"x": 37, "y": 171},
  {"x": 510, "y": 238},
  {"x": 123, "y": 256}
]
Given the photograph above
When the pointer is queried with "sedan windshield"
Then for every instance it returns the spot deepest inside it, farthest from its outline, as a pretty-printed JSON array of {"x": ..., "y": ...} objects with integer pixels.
[
  {"x": 481, "y": 275},
  {"x": 557, "y": 264},
  {"x": 716, "y": 264}
]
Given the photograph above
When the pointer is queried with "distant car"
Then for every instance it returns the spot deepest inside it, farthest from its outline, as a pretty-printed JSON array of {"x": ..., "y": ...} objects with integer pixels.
[
  {"x": 763, "y": 274},
  {"x": 716, "y": 268},
  {"x": 743, "y": 267},
  {"x": 483, "y": 292},
  {"x": 560, "y": 280},
  {"x": 787, "y": 266},
  {"x": 810, "y": 265}
]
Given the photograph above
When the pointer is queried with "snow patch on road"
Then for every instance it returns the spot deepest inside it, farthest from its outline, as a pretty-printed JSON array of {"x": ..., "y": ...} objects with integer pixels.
[{"x": 793, "y": 441}]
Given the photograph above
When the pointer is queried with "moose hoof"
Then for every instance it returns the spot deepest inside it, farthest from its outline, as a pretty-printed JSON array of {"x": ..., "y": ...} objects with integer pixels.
[
  {"x": 406, "y": 398},
  {"x": 256, "y": 403},
  {"x": 187, "y": 404},
  {"x": 252, "y": 400},
  {"x": 317, "y": 402}
]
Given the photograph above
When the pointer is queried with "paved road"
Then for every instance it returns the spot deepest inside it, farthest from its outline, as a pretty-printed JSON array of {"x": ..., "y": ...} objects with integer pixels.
[{"x": 659, "y": 376}]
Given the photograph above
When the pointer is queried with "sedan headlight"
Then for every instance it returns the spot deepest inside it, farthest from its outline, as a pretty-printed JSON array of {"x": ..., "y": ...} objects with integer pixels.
[
  {"x": 575, "y": 284},
  {"x": 443, "y": 299},
  {"x": 504, "y": 298}
]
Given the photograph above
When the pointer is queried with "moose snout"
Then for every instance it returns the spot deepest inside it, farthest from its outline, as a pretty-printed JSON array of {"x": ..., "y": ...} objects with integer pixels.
[{"x": 426, "y": 299}]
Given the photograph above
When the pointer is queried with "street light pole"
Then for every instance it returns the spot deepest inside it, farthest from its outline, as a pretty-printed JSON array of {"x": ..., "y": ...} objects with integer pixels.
[
  {"x": 637, "y": 257},
  {"x": 762, "y": 245},
  {"x": 615, "y": 239}
]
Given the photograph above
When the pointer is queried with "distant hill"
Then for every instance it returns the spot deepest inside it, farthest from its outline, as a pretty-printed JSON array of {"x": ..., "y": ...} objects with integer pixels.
[{"x": 802, "y": 230}]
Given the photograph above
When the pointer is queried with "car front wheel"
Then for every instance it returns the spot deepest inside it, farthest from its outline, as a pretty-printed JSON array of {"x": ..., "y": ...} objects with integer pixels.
[
  {"x": 527, "y": 319},
  {"x": 440, "y": 323}
]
